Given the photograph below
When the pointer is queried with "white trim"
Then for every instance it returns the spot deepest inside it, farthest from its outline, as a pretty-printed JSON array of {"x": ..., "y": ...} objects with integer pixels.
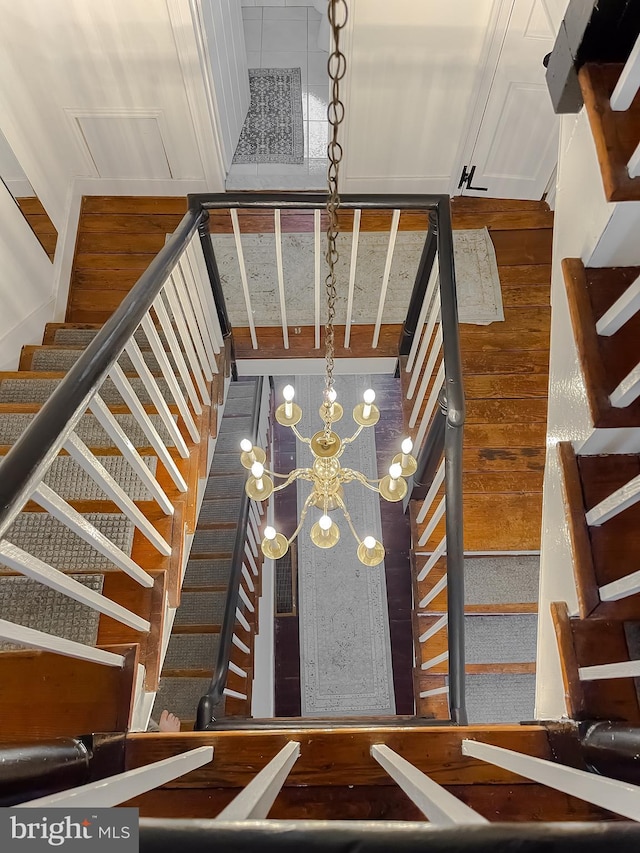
[
  {"x": 193, "y": 55},
  {"x": 140, "y": 186},
  {"x": 50, "y": 643},
  {"x": 313, "y": 366}
]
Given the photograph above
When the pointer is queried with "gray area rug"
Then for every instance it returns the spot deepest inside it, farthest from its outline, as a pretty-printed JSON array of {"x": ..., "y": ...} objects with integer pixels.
[
  {"x": 273, "y": 131},
  {"x": 479, "y": 295},
  {"x": 345, "y": 648}
]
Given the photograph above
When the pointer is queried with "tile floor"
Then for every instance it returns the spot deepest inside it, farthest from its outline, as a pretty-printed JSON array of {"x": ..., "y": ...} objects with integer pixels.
[{"x": 287, "y": 37}]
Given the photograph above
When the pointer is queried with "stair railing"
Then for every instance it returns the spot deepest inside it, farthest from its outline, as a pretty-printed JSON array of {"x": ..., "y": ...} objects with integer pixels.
[
  {"x": 434, "y": 372},
  {"x": 172, "y": 310},
  {"x": 237, "y": 632}
]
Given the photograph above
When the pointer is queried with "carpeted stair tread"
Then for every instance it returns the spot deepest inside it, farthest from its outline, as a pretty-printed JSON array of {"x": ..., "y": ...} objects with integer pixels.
[
  {"x": 239, "y": 406},
  {"x": 191, "y": 651},
  {"x": 180, "y": 696},
  {"x": 201, "y": 608},
  {"x": 40, "y": 534},
  {"x": 36, "y": 390},
  {"x": 13, "y": 424},
  {"x": 72, "y": 337},
  {"x": 511, "y": 579},
  {"x": 239, "y": 427},
  {"x": 213, "y": 541},
  {"x": 226, "y": 463},
  {"x": 229, "y": 442},
  {"x": 228, "y": 487},
  {"x": 27, "y": 602},
  {"x": 207, "y": 572},
  {"x": 500, "y": 698},
  {"x": 244, "y": 387},
  {"x": 59, "y": 359},
  {"x": 506, "y": 638},
  {"x": 72, "y": 482},
  {"x": 219, "y": 510}
]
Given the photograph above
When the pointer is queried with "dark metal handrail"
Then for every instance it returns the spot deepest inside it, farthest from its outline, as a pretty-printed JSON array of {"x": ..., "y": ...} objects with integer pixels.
[
  {"x": 26, "y": 463},
  {"x": 214, "y": 695}
]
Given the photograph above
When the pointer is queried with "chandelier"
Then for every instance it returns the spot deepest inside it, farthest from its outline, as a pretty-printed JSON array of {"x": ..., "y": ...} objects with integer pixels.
[{"x": 326, "y": 474}]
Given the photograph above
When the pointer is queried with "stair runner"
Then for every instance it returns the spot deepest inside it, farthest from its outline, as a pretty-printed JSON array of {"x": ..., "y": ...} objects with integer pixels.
[
  {"x": 193, "y": 645},
  {"x": 501, "y": 593}
]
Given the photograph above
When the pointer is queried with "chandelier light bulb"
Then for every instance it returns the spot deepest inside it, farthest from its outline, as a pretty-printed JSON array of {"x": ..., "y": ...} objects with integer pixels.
[
  {"x": 395, "y": 471},
  {"x": 288, "y": 392},
  {"x": 325, "y": 522},
  {"x": 369, "y": 543},
  {"x": 269, "y": 532},
  {"x": 257, "y": 469},
  {"x": 331, "y": 395},
  {"x": 406, "y": 446},
  {"x": 246, "y": 446},
  {"x": 369, "y": 396}
]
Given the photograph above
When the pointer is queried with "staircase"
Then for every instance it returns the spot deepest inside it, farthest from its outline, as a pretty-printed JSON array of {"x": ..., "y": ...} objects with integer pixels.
[{"x": 194, "y": 641}]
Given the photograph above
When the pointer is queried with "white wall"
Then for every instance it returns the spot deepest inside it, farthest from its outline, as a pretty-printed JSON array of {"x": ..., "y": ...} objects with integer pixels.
[
  {"x": 27, "y": 283},
  {"x": 103, "y": 90},
  {"x": 412, "y": 69}
]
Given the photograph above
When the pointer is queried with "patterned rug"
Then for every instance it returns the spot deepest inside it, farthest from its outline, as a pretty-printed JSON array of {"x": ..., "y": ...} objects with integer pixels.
[
  {"x": 345, "y": 647},
  {"x": 273, "y": 129}
]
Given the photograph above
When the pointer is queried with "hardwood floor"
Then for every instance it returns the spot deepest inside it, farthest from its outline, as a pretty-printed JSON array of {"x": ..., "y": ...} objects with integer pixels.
[
  {"x": 41, "y": 225},
  {"x": 505, "y": 364}
]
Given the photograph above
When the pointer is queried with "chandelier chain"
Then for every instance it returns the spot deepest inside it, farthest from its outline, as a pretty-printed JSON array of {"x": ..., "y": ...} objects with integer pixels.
[{"x": 337, "y": 64}]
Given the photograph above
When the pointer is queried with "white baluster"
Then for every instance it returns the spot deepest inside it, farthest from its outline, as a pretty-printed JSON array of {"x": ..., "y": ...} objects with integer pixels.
[
  {"x": 622, "y": 588},
  {"x": 172, "y": 383},
  {"x": 619, "y": 797},
  {"x": 424, "y": 345},
  {"x": 430, "y": 632},
  {"x": 165, "y": 324},
  {"x": 433, "y": 559},
  {"x": 254, "y": 802},
  {"x": 434, "y": 592},
  {"x": 427, "y": 376},
  {"x": 247, "y": 577},
  {"x": 633, "y": 166},
  {"x": 138, "y": 411},
  {"x": 621, "y": 311},
  {"x": 433, "y": 521},
  {"x": 283, "y": 307},
  {"x": 426, "y": 304},
  {"x": 236, "y": 669},
  {"x": 201, "y": 274},
  {"x": 194, "y": 315},
  {"x": 240, "y": 645},
  {"x": 64, "y": 512},
  {"x": 246, "y": 599},
  {"x": 432, "y": 402},
  {"x": 200, "y": 307},
  {"x": 624, "y": 669},
  {"x": 187, "y": 336},
  {"x": 88, "y": 462},
  {"x": 621, "y": 499},
  {"x": 429, "y": 664},
  {"x": 438, "y": 480},
  {"x": 118, "y": 436},
  {"x": 242, "y": 620},
  {"x": 252, "y": 562},
  {"x": 355, "y": 237},
  {"x": 20, "y": 561},
  {"x": 435, "y": 691},
  {"x": 243, "y": 276},
  {"x": 393, "y": 233},
  {"x": 628, "y": 390},
  {"x": 434, "y": 801},
  {"x": 50, "y": 643},
  {"x": 124, "y": 786},
  {"x": 628, "y": 82},
  {"x": 234, "y": 694}
]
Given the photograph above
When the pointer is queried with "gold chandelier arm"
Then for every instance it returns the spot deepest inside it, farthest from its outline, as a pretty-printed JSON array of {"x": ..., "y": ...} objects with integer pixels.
[
  {"x": 297, "y": 472},
  {"x": 275, "y": 474},
  {"x": 350, "y": 440},
  {"x": 369, "y": 484},
  {"x": 345, "y": 512},
  {"x": 303, "y": 515},
  {"x": 300, "y": 437}
]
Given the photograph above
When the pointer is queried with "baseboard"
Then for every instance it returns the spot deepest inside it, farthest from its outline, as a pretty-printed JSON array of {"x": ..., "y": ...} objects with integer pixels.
[
  {"x": 28, "y": 331},
  {"x": 313, "y": 366},
  {"x": 139, "y": 187}
]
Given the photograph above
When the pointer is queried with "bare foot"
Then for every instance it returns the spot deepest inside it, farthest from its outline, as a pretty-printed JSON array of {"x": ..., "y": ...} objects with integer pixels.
[{"x": 169, "y": 722}]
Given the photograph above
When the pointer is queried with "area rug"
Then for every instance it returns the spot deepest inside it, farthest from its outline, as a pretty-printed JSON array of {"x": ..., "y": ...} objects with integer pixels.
[
  {"x": 345, "y": 647},
  {"x": 479, "y": 295},
  {"x": 273, "y": 131}
]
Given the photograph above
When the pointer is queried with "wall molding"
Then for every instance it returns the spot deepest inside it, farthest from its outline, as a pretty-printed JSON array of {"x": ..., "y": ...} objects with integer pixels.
[
  {"x": 313, "y": 366},
  {"x": 28, "y": 331}
]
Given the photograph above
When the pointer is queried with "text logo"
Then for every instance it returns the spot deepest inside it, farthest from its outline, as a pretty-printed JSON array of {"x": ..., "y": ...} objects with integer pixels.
[{"x": 28, "y": 830}]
